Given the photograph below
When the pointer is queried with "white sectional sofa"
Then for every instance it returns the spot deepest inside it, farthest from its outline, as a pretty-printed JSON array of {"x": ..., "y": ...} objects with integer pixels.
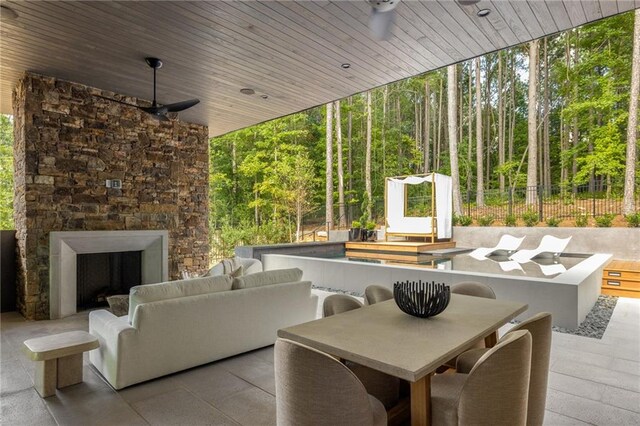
[{"x": 181, "y": 324}]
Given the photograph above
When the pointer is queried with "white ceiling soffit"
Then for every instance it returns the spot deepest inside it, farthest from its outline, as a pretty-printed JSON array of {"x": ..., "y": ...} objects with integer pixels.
[{"x": 290, "y": 51}]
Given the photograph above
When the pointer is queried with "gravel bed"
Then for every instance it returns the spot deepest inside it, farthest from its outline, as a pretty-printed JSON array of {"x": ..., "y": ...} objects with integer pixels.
[
  {"x": 596, "y": 321},
  {"x": 593, "y": 326}
]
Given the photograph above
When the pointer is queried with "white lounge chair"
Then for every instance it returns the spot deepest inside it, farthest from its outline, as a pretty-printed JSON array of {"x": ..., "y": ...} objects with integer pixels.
[
  {"x": 549, "y": 245},
  {"x": 507, "y": 243}
]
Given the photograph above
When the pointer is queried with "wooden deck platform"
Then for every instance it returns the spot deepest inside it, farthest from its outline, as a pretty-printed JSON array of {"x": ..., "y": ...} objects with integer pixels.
[
  {"x": 405, "y": 247},
  {"x": 394, "y": 258}
]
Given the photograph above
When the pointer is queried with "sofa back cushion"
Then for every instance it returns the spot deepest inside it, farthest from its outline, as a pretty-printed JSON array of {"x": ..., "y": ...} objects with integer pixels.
[
  {"x": 173, "y": 289},
  {"x": 276, "y": 276}
]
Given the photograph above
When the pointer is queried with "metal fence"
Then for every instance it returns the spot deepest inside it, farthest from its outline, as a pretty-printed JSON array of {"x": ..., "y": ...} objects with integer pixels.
[{"x": 556, "y": 201}]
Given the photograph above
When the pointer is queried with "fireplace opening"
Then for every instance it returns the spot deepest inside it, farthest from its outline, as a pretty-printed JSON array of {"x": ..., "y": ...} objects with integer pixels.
[{"x": 100, "y": 275}]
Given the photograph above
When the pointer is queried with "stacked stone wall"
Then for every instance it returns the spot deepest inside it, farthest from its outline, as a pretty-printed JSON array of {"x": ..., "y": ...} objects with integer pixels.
[{"x": 68, "y": 142}]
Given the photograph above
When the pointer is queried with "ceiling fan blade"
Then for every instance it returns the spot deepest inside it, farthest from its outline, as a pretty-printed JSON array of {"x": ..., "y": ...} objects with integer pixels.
[
  {"x": 153, "y": 110},
  {"x": 180, "y": 106},
  {"x": 380, "y": 23},
  {"x": 117, "y": 101}
]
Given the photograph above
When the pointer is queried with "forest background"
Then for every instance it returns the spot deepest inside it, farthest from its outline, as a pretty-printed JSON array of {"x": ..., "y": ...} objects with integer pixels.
[{"x": 553, "y": 118}]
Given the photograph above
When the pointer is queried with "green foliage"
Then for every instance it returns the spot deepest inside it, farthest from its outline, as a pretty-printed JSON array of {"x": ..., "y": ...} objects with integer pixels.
[
  {"x": 605, "y": 220},
  {"x": 227, "y": 238},
  {"x": 486, "y": 220},
  {"x": 462, "y": 220},
  {"x": 6, "y": 172},
  {"x": 633, "y": 220},
  {"x": 371, "y": 226},
  {"x": 582, "y": 220},
  {"x": 530, "y": 218},
  {"x": 553, "y": 221},
  {"x": 356, "y": 224},
  {"x": 510, "y": 220}
]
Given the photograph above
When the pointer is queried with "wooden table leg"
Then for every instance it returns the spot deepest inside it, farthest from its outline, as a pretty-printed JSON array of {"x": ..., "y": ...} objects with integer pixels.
[
  {"x": 45, "y": 380},
  {"x": 491, "y": 340},
  {"x": 421, "y": 401},
  {"x": 69, "y": 370}
]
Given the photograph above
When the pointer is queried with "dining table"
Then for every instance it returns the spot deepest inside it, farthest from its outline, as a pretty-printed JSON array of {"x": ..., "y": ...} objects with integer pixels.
[{"x": 384, "y": 338}]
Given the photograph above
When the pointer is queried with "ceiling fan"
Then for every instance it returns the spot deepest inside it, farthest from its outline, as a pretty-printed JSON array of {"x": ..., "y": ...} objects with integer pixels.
[
  {"x": 383, "y": 15},
  {"x": 157, "y": 110}
]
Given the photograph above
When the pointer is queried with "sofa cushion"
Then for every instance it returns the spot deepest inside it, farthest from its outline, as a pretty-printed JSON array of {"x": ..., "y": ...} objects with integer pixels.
[
  {"x": 173, "y": 289},
  {"x": 275, "y": 276},
  {"x": 230, "y": 266}
]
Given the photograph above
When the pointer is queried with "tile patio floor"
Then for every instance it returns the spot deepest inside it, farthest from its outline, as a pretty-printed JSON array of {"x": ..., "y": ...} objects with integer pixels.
[{"x": 591, "y": 382}]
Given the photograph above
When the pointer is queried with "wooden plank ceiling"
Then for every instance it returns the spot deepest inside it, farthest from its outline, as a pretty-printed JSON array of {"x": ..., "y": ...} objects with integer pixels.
[{"x": 291, "y": 51}]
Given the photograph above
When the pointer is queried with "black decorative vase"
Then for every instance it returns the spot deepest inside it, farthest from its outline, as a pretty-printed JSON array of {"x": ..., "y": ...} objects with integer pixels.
[
  {"x": 354, "y": 234},
  {"x": 420, "y": 299}
]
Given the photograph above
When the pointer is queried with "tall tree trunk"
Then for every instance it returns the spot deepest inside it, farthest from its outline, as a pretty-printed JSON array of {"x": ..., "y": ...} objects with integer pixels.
[
  {"x": 500, "y": 122},
  {"x": 438, "y": 149},
  {"x": 575, "y": 136},
  {"x": 342, "y": 220},
  {"x": 367, "y": 161},
  {"x": 512, "y": 109},
  {"x": 399, "y": 125},
  {"x": 329, "y": 168},
  {"x": 532, "y": 145},
  {"x": 452, "y": 111},
  {"x": 547, "y": 145},
  {"x": 426, "y": 133},
  {"x": 385, "y": 100},
  {"x": 487, "y": 108},
  {"x": 479, "y": 142},
  {"x": 469, "y": 128},
  {"x": 349, "y": 156},
  {"x": 628, "y": 203}
]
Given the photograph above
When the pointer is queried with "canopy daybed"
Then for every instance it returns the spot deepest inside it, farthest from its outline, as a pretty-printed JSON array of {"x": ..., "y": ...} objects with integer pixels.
[{"x": 437, "y": 225}]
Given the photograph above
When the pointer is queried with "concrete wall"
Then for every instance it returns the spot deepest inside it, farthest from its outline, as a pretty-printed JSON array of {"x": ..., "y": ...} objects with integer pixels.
[
  {"x": 622, "y": 243},
  {"x": 569, "y": 297}
]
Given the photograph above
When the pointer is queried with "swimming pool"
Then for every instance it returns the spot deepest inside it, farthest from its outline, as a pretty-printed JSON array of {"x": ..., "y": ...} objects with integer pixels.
[
  {"x": 546, "y": 267},
  {"x": 569, "y": 291}
]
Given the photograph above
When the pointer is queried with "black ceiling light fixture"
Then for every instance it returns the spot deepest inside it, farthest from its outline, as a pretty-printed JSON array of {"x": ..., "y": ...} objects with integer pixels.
[
  {"x": 345, "y": 66},
  {"x": 264, "y": 96},
  {"x": 247, "y": 91},
  {"x": 157, "y": 110},
  {"x": 483, "y": 12}
]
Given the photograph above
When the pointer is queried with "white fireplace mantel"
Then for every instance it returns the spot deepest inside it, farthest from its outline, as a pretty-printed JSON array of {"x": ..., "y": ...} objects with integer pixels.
[{"x": 65, "y": 246}]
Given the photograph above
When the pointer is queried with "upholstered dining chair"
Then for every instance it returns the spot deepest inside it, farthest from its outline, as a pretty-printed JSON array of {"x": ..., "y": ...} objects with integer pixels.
[
  {"x": 539, "y": 326},
  {"x": 384, "y": 387},
  {"x": 339, "y": 303},
  {"x": 312, "y": 388},
  {"x": 476, "y": 289},
  {"x": 493, "y": 393},
  {"x": 376, "y": 293}
]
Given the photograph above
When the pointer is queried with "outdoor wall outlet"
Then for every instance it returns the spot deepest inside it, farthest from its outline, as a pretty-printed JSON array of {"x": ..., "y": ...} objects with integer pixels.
[{"x": 114, "y": 183}]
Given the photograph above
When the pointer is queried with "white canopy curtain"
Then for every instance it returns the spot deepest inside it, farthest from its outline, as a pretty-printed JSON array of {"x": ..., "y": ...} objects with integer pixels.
[{"x": 398, "y": 223}]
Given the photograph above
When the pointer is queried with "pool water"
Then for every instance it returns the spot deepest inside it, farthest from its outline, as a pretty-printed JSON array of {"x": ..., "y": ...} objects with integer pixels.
[{"x": 501, "y": 265}]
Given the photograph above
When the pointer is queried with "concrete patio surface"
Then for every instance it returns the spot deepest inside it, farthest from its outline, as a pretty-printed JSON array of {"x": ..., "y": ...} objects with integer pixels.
[{"x": 591, "y": 382}]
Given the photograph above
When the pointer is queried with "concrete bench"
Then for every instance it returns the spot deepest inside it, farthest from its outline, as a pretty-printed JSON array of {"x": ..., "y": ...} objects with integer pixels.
[{"x": 58, "y": 359}]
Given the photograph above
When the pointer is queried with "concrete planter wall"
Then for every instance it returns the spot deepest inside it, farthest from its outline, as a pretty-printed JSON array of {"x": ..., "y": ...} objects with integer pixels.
[{"x": 622, "y": 243}]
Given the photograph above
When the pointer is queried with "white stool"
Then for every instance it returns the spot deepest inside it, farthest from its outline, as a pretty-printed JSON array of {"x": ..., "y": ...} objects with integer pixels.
[{"x": 59, "y": 359}]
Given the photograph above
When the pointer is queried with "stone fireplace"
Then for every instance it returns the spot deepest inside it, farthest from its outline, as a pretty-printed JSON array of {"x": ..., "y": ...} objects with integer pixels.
[
  {"x": 65, "y": 246},
  {"x": 68, "y": 141}
]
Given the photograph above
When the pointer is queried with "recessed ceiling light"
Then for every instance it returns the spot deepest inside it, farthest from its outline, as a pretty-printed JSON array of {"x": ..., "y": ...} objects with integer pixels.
[
  {"x": 6, "y": 13},
  {"x": 247, "y": 91},
  {"x": 264, "y": 96},
  {"x": 483, "y": 12},
  {"x": 345, "y": 66},
  {"x": 468, "y": 2}
]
